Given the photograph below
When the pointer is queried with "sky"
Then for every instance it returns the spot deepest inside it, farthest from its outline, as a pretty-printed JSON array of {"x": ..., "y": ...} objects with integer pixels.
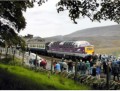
[{"x": 44, "y": 21}]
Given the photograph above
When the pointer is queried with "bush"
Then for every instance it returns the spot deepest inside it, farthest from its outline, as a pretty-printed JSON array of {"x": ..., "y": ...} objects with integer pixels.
[{"x": 98, "y": 84}]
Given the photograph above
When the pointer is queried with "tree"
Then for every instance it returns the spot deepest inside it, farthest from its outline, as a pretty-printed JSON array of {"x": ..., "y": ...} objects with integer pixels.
[
  {"x": 93, "y": 9},
  {"x": 12, "y": 20}
]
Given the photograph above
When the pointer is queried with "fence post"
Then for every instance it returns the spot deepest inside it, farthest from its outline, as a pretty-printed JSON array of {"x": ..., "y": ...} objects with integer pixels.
[
  {"x": 10, "y": 50},
  {"x": 107, "y": 77},
  {"x": 29, "y": 52},
  {"x": 75, "y": 77},
  {"x": 23, "y": 57},
  {"x": 36, "y": 60},
  {"x": 19, "y": 52},
  {"x": 13, "y": 57},
  {"x": 51, "y": 64},
  {"x": 6, "y": 52},
  {"x": 0, "y": 53}
]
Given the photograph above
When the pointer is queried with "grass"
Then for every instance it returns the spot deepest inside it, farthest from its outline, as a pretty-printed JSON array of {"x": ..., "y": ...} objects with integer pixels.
[
  {"x": 17, "y": 77},
  {"x": 112, "y": 50}
]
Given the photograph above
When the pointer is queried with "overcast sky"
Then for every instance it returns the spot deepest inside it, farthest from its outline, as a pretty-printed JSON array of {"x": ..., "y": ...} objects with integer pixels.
[{"x": 44, "y": 21}]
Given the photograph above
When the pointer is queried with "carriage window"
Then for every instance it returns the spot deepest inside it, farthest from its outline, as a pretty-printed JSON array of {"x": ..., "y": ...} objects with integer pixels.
[
  {"x": 32, "y": 45},
  {"x": 41, "y": 46},
  {"x": 89, "y": 48},
  {"x": 70, "y": 45}
]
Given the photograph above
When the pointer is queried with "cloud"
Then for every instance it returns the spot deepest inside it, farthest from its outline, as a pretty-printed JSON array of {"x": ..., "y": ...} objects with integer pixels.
[{"x": 44, "y": 21}]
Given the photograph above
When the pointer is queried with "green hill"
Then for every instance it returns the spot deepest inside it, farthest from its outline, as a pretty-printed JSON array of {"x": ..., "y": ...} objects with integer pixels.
[{"x": 20, "y": 78}]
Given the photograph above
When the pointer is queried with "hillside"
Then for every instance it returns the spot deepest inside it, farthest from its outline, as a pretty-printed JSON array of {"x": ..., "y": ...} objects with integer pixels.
[
  {"x": 54, "y": 38},
  {"x": 100, "y": 37},
  {"x": 113, "y": 30}
]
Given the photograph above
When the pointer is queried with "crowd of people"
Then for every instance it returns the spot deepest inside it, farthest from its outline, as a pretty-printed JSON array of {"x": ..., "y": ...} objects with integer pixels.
[
  {"x": 38, "y": 63},
  {"x": 95, "y": 66},
  {"x": 103, "y": 64}
]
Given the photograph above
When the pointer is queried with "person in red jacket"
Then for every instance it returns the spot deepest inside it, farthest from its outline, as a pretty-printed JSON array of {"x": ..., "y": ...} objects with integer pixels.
[{"x": 43, "y": 63}]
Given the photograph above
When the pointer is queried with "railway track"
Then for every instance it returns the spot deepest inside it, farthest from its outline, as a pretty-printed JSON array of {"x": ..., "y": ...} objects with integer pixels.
[{"x": 50, "y": 58}]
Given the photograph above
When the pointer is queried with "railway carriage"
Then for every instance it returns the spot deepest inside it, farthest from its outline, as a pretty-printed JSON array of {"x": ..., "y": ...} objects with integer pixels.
[
  {"x": 61, "y": 49},
  {"x": 37, "y": 45}
]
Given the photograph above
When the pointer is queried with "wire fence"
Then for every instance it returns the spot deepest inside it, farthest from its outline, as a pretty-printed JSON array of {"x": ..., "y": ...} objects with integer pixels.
[
  {"x": 24, "y": 56},
  {"x": 15, "y": 53}
]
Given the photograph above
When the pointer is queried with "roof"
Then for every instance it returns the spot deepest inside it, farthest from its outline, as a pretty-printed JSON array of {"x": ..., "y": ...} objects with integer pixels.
[
  {"x": 61, "y": 43},
  {"x": 35, "y": 40},
  {"x": 74, "y": 43},
  {"x": 82, "y": 43}
]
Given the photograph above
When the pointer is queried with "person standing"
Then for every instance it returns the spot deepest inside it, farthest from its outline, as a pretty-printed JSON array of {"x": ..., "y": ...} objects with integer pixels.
[
  {"x": 83, "y": 68},
  {"x": 110, "y": 69},
  {"x": 80, "y": 67},
  {"x": 98, "y": 71},
  {"x": 104, "y": 67},
  {"x": 54, "y": 64},
  {"x": 70, "y": 66},
  {"x": 43, "y": 63},
  {"x": 57, "y": 68},
  {"x": 61, "y": 65},
  {"x": 115, "y": 71},
  {"x": 88, "y": 68},
  {"x": 94, "y": 70},
  {"x": 65, "y": 66}
]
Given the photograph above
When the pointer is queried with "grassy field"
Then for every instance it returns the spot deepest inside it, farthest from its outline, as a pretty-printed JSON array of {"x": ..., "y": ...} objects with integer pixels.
[
  {"x": 17, "y": 77},
  {"x": 114, "y": 51}
]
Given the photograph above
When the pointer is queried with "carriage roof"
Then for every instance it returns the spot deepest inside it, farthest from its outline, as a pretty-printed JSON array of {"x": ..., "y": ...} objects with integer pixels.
[
  {"x": 74, "y": 43},
  {"x": 82, "y": 43}
]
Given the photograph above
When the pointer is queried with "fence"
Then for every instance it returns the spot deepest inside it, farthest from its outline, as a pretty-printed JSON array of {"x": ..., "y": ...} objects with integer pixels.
[
  {"x": 15, "y": 53},
  {"x": 24, "y": 56}
]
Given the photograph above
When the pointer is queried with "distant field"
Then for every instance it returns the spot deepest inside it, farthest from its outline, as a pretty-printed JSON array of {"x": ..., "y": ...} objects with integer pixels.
[
  {"x": 106, "y": 45},
  {"x": 114, "y": 51}
]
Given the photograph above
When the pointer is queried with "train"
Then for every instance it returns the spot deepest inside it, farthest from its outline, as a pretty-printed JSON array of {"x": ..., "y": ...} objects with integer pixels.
[{"x": 62, "y": 49}]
